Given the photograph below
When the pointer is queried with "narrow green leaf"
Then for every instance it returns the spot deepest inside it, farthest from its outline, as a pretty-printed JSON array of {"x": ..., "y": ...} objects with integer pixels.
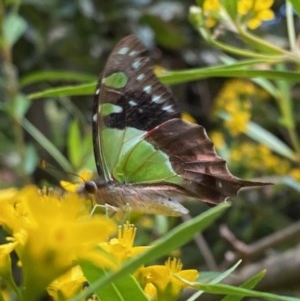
[
  {"x": 216, "y": 279},
  {"x": 231, "y": 8},
  {"x": 250, "y": 283},
  {"x": 291, "y": 182},
  {"x": 224, "y": 289},
  {"x": 85, "y": 89},
  {"x": 13, "y": 28},
  {"x": 31, "y": 159},
  {"x": 296, "y": 6},
  {"x": 268, "y": 86},
  {"x": 124, "y": 288},
  {"x": 74, "y": 144},
  {"x": 54, "y": 75},
  {"x": 259, "y": 134},
  {"x": 20, "y": 106},
  {"x": 171, "y": 241},
  {"x": 47, "y": 145},
  {"x": 176, "y": 77},
  {"x": 239, "y": 69}
]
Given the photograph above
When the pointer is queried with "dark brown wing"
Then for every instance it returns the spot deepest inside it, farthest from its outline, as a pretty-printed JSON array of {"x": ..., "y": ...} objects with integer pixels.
[{"x": 193, "y": 157}]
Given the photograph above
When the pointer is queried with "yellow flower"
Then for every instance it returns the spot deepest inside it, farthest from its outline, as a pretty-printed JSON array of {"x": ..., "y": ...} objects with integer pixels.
[
  {"x": 67, "y": 285},
  {"x": 165, "y": 282},
  {"x": 188, "y": 117},
  {"x": 237, "y": 123},
  {"x": 218, "y": 139},
  {"x": 235, "y": 99},
  {"x": 50, "y": 233},
  {"x": 211, "y": 10},
  {"x": 6, "y": 275},
  {"x": 255, "y": 11},
  {"x": 122, "y": 247},
  {"x": 260, "y": 158},
  {"x": 295, "y": 173}
]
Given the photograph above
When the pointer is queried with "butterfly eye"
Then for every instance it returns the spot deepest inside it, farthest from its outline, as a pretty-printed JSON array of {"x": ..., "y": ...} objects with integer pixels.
[{"x": 90, "y": 187}]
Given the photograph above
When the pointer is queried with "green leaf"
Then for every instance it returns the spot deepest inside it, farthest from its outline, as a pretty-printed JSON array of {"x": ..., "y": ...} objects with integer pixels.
[
  {"x": 54, "y": 75},
  {"x": 13, "y": 28},
  {"x": 176, "y": 77},
  {"x": 231, "y": 7},
  {"x": 250, "y": 283},
  {"x": 20, "y": 106},
  {"x": 85, "y": 89},
  {"x": 171, "y": 241},
  {"x": 291, "y": 182},
  {"x": 296, "y": 6},
  {"x": 259, "y": 134},
  {"x": 217, "y": 277},
  {"x": 239, "y": 69},
  {"x": 47, "y": 145},
  {"x": 74, "y": 144},
  {"x": 31, "y": 159},
  {"x": 124, "y": 288},
  {"x": 224, "y": 289}
]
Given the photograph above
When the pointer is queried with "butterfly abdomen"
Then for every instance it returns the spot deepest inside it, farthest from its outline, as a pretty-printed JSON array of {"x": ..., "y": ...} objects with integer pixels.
[{"x": 153, "y": 199}]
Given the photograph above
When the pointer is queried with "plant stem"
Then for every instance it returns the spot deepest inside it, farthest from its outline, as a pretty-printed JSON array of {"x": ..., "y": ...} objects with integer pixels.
[
  {"x": 261, "y": 44},
  {"x": 290, "y": 26},
  {"x": 11, "y": 90}
]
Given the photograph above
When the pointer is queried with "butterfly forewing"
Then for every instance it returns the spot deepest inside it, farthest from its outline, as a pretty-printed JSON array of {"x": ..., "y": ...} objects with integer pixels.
[{"x": 129, "y": 102}]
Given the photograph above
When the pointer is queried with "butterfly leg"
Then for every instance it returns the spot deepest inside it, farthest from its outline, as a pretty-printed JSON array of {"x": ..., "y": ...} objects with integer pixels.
[{"x": 107, "y": 209}]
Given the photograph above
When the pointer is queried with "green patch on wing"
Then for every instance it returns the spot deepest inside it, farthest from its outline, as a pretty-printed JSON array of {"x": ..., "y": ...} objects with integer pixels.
[
  {"x": 131, "y": 159},
  {"x": 109, "y": 108},
  {"x": 117, "y": 80}
]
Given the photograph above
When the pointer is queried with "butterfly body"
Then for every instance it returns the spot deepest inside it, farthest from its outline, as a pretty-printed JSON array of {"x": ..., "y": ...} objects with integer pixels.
[
  {"x": 154, "y": 199},
  {"x": 149, "y": 158}
]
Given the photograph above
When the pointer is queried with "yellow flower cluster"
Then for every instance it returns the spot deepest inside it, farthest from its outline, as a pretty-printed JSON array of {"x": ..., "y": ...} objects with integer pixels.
[
  {"x": 165, "y": 282},
  {"x": 255, "y": 11},
  {"x": 49, "y": 234},
  {"x": 211, "y": 9},
  {"x": 235, "y": 99},
  {"x": 260, "y": 158},
  {"x": 160, "y": 282},
  {"x": 250, "y": 12}
]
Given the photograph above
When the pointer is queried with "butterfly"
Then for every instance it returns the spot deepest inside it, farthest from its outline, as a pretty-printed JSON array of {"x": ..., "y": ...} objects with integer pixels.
[{"x": 148, "y": 158}]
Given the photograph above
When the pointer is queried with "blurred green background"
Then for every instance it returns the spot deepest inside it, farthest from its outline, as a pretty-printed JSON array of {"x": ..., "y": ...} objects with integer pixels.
[{"x": 53, "y": 44}]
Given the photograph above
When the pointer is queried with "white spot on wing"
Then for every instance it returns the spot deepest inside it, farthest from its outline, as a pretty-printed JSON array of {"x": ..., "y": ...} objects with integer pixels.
[
  {"x": 95, "y": 117},
  {"x": 157, "y": 98},
  {"x": 168, "y": 108},
  {"x": 132, "y": 53},
  {"x": 132, "y": 102},
  {"x": 140, "y": 77},
  {"x": 97, "y": 91},
  {"x": 136, "y": 64},
  {"x": 147, "y": 89},
  {"x": 123, "y": 50}
]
